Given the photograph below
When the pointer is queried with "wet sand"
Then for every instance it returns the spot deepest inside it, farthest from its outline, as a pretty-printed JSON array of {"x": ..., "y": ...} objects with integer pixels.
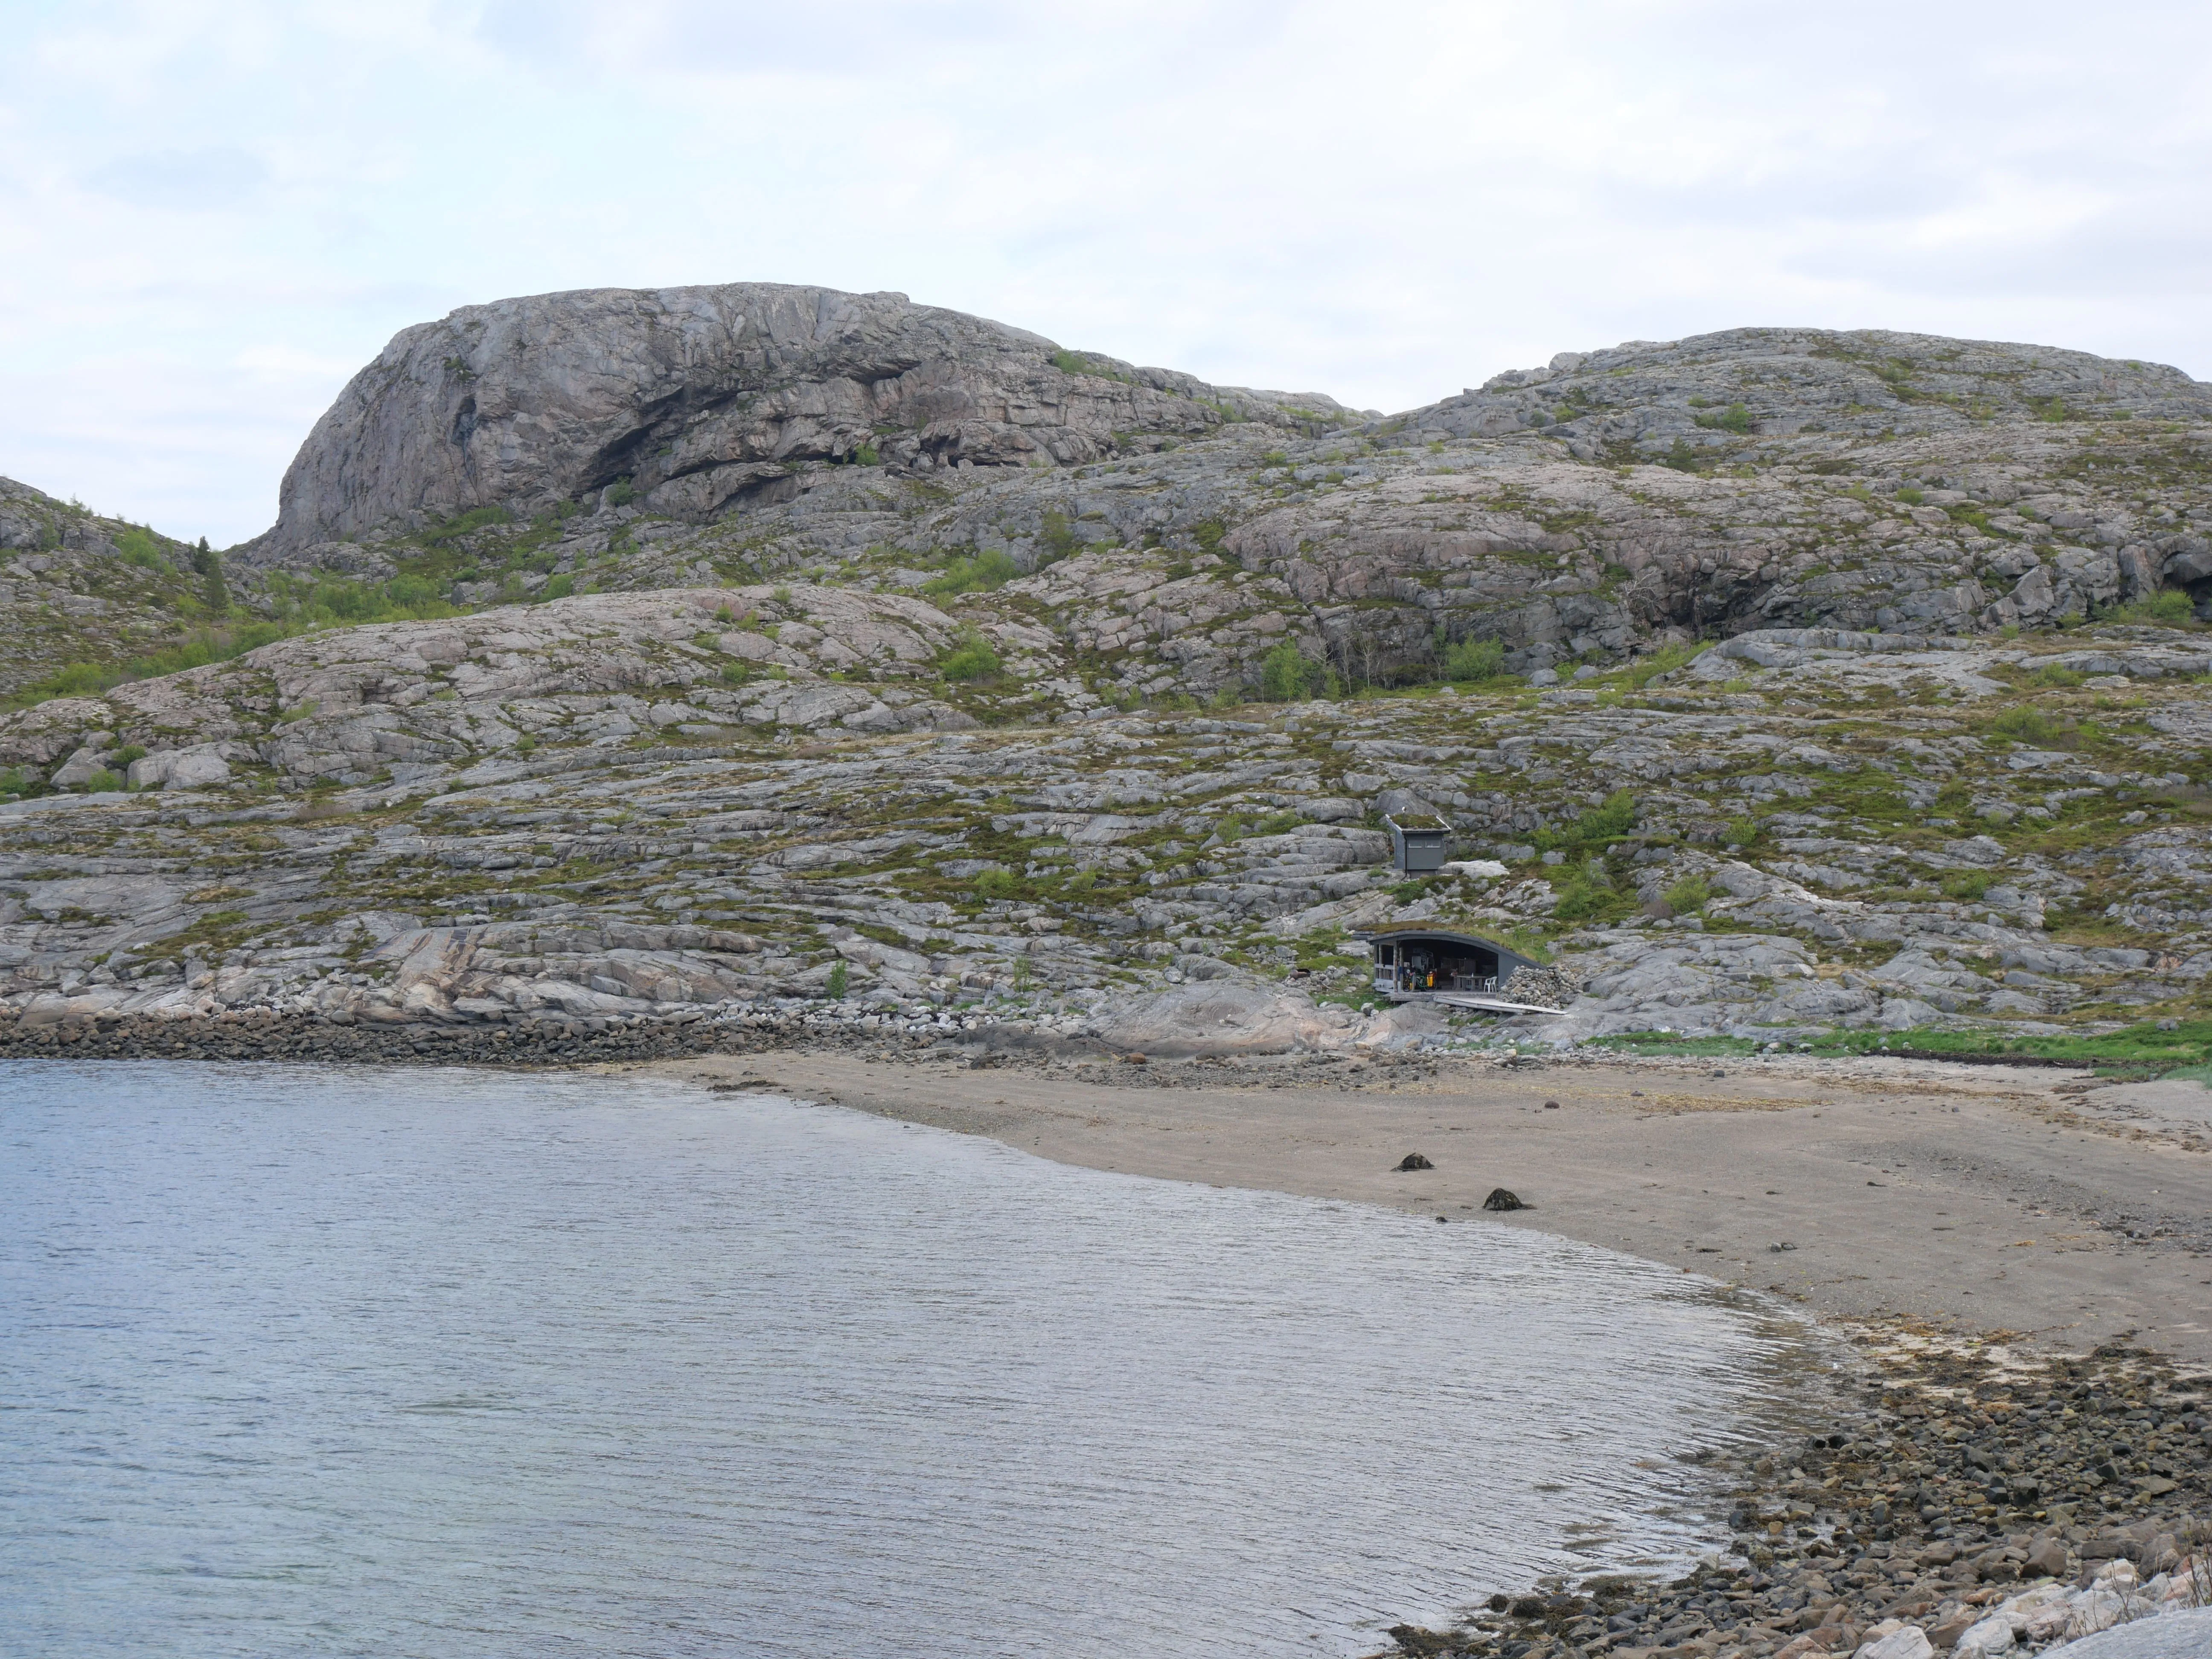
[{"x": 1982, "y": 1198}]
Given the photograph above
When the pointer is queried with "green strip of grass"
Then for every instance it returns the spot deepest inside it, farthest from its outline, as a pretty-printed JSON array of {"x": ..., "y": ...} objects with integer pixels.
[
  {"x": 1666, "y": 1043},
  {"x": 2184, "y": 1051},
  {"x": 2188, "y": 1044}
]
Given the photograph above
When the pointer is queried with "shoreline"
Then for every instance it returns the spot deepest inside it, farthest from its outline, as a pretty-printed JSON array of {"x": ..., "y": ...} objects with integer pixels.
[
  {"x": 1978, "y": 1199},
  {"x": 2034, "y": 1203},
  {"x": 2014, "y": 1255},
  {"x": 2051, "y": 1482}
]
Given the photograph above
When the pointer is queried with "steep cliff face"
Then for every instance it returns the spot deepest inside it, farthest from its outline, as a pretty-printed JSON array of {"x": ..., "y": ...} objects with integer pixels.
[{"x": 701, "y": 400}]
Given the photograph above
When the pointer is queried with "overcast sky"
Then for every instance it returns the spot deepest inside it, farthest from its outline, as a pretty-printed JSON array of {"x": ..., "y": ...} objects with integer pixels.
[{"x": 212, "y": 214}]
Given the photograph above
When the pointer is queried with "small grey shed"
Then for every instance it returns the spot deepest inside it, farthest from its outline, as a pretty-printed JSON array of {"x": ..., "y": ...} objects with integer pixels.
[{"x": 1419, "y": 843}]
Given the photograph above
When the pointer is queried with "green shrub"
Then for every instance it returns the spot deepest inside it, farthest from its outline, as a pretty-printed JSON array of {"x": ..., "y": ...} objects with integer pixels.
[
  {"x": 970, "y": 659},
  {"x": 1741, "y": 832},
  {"x": 838, "y": 980},
  {"x": 559, "y": 588},
  {"x": 1588, "y": 894},
  {"x": 986, "y": 573},
  {"x": 1288, "y": 674},
  {"x": 1910, "y": 496},
  {"x": 2169, "y": 607},
  {"x": 865, "y": 455},
  {"x": 2024, "y": 725},
  {"x": 736, "y": 673},
  {"x": 1664, "y": 660},
  {"x": 621, "y": 493},
  {"x": 105, "y": 782},
  {"x": 1734, "y": 418},
  {"x": 139, "y": 547},
  {"x": 2056, "y": 676},
  {"x": 78, "y": 679},
  {"x": 1967, "y": 883},
  {"x": 1688, "y": 895},
  {"x": 451, "y": 530},
  {"x": 321, "y": 599},
  {"x": 996, "y": 884},
  {"x": 1600, "y": 825},
  {"x": 121, "y": 759},
  {"x": 17, "y": 780},
  {"x": 1474, "y": 660},
  {"x": 1058, "y": 538}
]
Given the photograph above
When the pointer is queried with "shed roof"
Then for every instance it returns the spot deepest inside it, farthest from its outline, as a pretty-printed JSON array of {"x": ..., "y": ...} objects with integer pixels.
[
  {"x": 1405, "y": 930},
  {"x": 1416, "y": 821}
]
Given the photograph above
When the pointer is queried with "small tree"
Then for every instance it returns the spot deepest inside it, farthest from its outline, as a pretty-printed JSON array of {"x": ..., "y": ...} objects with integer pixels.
[{"x": 1288, "y": 674}]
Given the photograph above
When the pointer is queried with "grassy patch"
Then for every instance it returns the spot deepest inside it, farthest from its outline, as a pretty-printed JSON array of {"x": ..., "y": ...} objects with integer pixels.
[
  {"x": 986, "y": 573},
  {"x": 1666, "y": 1043},
  {"x": 88, "y": 679},
  {"x": 2188, "y": 1044},
  {"x": 2168, "y": 608}
]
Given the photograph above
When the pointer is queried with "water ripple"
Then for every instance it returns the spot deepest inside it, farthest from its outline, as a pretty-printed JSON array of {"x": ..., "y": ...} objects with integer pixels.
[{"x": 318, "y": 1361}]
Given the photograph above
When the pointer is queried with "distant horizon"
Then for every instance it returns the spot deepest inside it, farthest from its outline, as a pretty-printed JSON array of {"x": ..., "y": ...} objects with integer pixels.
[{"x": 219, "y": 215}]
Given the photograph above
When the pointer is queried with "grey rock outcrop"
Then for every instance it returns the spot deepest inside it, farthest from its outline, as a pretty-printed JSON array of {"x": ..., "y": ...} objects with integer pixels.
[
  {"x": 948, "y": 697},
  {"x": 703, "y": 399}
]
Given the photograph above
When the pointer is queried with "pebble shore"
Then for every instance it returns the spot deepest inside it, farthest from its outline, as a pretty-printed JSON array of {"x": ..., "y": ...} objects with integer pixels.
[
  {"x": 1973, "y": 1501},
  {"x": 266, "y": 1035}
]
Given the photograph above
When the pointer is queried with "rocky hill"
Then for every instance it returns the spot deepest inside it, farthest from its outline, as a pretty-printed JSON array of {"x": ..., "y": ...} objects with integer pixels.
[
  {"x": 91, "y": 593},
  {"x": 788, "y": 640}
]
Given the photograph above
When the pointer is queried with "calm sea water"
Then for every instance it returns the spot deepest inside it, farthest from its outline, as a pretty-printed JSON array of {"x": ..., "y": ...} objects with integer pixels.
[{"x": 321, "y": 1361}]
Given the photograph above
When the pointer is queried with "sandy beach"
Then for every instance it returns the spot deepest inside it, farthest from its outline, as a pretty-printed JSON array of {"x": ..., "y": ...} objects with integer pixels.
[{"x": 2025, "y": 1201}]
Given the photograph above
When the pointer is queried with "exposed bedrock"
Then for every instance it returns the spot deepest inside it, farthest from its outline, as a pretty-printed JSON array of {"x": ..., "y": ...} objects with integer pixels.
[{"x": 703, "y": 399}]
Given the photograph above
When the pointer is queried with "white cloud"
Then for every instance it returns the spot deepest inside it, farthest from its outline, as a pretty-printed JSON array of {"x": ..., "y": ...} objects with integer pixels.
[{"x": 215, "y": 212}]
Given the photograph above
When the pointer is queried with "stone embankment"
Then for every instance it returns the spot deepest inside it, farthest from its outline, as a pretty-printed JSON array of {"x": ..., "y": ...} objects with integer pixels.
[{"x": 1975, "y": 1502}]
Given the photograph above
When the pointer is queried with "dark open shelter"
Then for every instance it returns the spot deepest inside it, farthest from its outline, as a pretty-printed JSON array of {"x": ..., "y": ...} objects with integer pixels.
[{"x": 1413, "y": 960}]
